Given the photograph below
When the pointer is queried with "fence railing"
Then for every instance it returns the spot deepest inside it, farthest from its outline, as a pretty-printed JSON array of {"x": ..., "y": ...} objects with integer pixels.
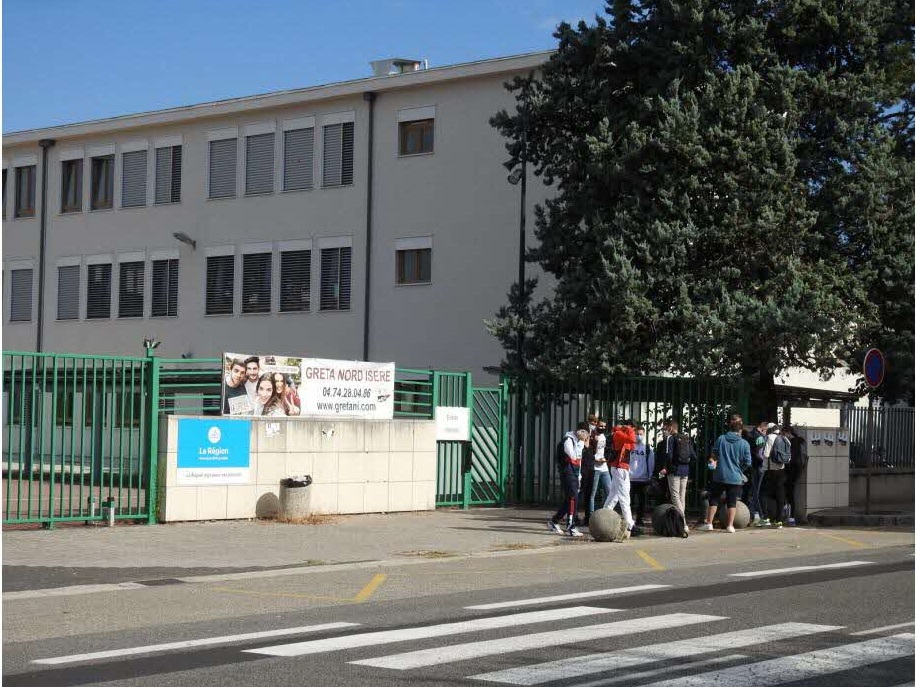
[{"x": 894, "y": 439}]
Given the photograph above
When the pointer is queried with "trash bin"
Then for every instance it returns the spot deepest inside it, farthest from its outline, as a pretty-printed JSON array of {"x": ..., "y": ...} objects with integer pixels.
[{"x": 294, "y": 497}]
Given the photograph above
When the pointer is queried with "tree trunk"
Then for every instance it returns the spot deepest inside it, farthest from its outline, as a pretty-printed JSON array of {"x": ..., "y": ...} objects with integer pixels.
[{"x": 763, "y": 403}]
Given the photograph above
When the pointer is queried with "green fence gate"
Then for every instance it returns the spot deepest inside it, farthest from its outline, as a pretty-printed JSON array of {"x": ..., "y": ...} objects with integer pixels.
[{"x": 75, "y": 438}]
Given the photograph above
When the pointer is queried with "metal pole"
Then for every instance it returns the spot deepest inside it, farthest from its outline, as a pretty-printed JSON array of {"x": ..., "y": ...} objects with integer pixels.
[
  {"x": 869, "y": 449},
  {"x": 521, "y": 230},
  {"x": 45, "y": 144}
]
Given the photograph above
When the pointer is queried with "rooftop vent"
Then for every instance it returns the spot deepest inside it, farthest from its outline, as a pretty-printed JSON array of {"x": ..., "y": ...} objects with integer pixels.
[{"x": 397, "y": 65}]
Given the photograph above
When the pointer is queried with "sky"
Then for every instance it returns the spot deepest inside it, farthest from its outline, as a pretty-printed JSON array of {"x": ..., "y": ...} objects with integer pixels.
[{"x": 68, "y": 61}]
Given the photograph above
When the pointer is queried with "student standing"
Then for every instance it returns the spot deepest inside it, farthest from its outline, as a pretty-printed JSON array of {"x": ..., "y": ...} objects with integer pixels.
[
  {"x": 679, "y": 454},
  {"x": 642, "y": 467},
  {"x": 570, "y": 465},
  {"x": 602, "y": 473},
  {"x": 730, "y": 454},
  {"x": 588, "y": 468},
  {"x": 778, "y": 453},
  {"x": 623, "y": 442}
]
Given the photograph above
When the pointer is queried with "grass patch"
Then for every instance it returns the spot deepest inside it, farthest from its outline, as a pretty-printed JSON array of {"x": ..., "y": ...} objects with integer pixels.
[
  {"x": 513, "y": 547},
  {"x": 427, "y": 554},
  {"x": 307, "y": 520}
]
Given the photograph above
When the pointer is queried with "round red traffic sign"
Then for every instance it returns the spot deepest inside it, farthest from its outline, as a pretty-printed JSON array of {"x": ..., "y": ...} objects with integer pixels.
[{"x": 873, "y": 367}]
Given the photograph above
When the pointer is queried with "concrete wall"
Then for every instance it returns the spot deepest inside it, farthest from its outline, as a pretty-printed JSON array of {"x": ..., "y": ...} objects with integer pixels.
[
  {"x": 887, "y": 489},
  {"x": 825, "y": 482},
  {"x": 358, "y": 466}
]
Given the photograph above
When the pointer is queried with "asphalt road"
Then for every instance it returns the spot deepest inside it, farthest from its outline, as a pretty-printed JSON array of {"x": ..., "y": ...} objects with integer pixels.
[{"x": 631, "y": 620}]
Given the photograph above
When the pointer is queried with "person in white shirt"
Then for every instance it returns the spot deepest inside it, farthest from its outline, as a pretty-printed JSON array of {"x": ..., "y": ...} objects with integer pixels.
[
  {"x": 642, "y": 467},
  {"x": 602, "y": 473},
  {"x": 253, "y": 373},
  {"x": 775, "y": 477}
]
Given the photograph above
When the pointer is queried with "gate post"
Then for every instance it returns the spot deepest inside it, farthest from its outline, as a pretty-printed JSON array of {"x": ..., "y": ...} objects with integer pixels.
[
  {"x": 468, "y": 459},
  {"x": 503, "y": 442},
  {"x": 152, "y": 444}
]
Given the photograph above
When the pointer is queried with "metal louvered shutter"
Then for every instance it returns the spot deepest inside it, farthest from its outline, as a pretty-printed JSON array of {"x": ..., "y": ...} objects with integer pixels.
[
  {"x": 220, "y": 284},
  {"x": 335, "y": 278},
  {"x": 295, "y": 280},
  {"x": 68, "y": 292},
  {"x": 165, "y": 288},
  {"x": 331, "y": 155},
  {"x": 133, "y": 179},
  {"x": 298, "y": 159},
  {"x": 21, "y": 295},
  {"x": 259, "y": 164},
  {"x": 256, "y": 282},
  {"x": 98, "y": 291},
  {"x": 223, "y": 160},
  {"x": 130, "y": 289},
  {"x": 168, "y": 174},
  {"x": 346, "y": 155}
]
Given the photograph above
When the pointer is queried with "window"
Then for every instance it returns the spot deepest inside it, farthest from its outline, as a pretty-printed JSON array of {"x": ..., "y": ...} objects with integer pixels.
[
  {"x": 21, "y": 295},
  {"x": 298, "y": 159},
  {"x": 68, "y": 292},
  {"x": 416, "y": 137},
  {"x": 338, "y": 155},
  {"x": 102, "y": 183},
  {"x": 25, "y": 192},
  {"x": 259, "y": 164},
  {"x": 128, "y": 408},
  {"x": 220, "y": 284},
  {"x": 295, "y": 280},
  {"x": 65, "y": 401},
  {"x": 165, "y": 288},
  {"x": 98, "y": 291},
  {"x": 168, "y": 175},
  {"x": 414, "y": 266},
  {"x": 130, "y": 289},
  {"x": 133, "y": 179},
  {"x": 223, "y": 160},
  {"x": 335, "y": 278},
  {"x": 256, "y": 282},
  {"x": 3, "y": 200},
  {"x": 20, "y": 401},
  {"x": 71, "y": 186}
]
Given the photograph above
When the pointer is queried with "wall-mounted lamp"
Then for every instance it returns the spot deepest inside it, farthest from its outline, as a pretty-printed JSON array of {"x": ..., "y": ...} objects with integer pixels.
[
  {"x": 515, "y": 177},
  {"x": 184, "y": 238}
]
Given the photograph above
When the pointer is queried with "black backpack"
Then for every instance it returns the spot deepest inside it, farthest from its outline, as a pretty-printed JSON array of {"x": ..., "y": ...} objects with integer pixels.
[
  {"x": 560, "y": 457},
  {"x": 672, "y": 524},
  {"x": 682, "y": 450},
  {"x": 781, "y": 453}
]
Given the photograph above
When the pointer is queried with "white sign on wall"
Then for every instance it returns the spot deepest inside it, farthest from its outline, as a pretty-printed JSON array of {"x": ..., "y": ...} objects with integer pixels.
[
  {"x": 453, "y": 423},
  {"x": 345, "y": 388}
]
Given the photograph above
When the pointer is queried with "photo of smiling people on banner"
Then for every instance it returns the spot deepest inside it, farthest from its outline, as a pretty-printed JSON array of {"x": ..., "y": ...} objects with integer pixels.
[{"x": 261, "y": 385}]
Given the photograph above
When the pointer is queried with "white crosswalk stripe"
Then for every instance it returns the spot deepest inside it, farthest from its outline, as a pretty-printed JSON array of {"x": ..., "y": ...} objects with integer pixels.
[
  {"x": 462, "y": 652},
  {"x": 417, "y": 633},
  {"x": 627, "y": 658},
  {"x": 801, "y": 568},
  {"x": 778, "y": 671}
]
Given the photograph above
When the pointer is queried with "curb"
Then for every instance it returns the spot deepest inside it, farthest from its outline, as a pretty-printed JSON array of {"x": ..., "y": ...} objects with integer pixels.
[{"x": 862, "y": 520}]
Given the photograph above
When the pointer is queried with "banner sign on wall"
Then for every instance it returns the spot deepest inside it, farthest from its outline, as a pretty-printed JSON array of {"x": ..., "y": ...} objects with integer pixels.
[
  {"x": 453, "y": 423},
  {"x": 212, "y": 452},
  {"x": 347, "y": 388},
  {"x": 283, "y": 386}
]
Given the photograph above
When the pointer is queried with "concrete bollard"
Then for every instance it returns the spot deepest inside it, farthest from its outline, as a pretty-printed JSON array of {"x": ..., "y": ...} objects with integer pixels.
[
  {"x": 606, "y": 525},
  {"x": 742, "y": 516},
  {"x": 295, "y": 497}
]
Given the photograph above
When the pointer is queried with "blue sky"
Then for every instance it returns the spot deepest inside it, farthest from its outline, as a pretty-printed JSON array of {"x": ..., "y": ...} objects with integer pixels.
[{"x": 70, "y": 61}]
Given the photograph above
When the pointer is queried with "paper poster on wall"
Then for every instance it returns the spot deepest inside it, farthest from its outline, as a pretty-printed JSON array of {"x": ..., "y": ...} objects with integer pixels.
[
  {"x": 257, "y": 385},
  {"x": 347, "y": 389},
  {"x": 212, "y": 452},
  {"x": 453, "y": 423}
]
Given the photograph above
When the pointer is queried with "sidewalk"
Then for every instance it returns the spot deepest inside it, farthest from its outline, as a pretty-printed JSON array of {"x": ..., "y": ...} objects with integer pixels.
[{"x": 35, "y": 559}]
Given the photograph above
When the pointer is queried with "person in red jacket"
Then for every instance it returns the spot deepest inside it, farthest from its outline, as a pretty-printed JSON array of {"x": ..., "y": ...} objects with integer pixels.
[{"x": 623, "y": 440}]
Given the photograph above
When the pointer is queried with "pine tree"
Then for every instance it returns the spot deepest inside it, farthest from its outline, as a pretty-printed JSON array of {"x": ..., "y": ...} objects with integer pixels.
[{"x": 732, "y": 190}]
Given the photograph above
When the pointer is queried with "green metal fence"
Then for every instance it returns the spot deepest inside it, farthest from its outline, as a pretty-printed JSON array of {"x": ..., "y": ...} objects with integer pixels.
[
  {"x": 75, "y": 438},
  {"x": 541, "y": 410},
  {"x": 893, "y": 444}
]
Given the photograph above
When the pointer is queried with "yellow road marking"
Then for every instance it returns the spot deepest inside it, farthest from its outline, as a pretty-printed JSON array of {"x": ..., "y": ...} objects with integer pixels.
[
  {"x": 370, "y": 588},
  {"x": 851, "y": 542},
  {"x": 654, "y": 564},
  {"x": 364, "y": 594}
]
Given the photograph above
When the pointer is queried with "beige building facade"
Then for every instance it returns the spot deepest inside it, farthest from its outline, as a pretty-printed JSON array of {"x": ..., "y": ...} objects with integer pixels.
[{"x": 265, "y": 223}]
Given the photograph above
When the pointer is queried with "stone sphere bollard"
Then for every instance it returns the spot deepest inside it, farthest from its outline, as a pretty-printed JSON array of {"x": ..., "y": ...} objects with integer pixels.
[
  {"x": 658, "y": 517},
  {"x": 605, "y": 525},
  {"x": 742, "y": 516}
]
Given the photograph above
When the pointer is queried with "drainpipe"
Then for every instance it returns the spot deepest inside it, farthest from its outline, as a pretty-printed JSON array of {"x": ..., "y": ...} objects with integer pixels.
[
  {"x": 369, "y": 97},
  {"x": 45, "y": 143}
]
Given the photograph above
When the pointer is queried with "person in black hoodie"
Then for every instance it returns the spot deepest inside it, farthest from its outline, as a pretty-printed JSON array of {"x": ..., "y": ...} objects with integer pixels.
[{"x": 588, "y": 467}]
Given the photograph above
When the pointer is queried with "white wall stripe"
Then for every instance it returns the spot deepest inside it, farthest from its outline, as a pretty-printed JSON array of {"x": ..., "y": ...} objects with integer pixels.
[
  {"x": 801, "y": 568},
  {"x": 879, "y": 630},
  {"x": 208, "y": 641},
  {"x": 661, "y": 671},
  {"x": 416, "y": 633},
  {"x": 567, "y": 597},
  {"x": 491, "y": 647},
  {"x": 599, "y": 663},
  {"x": 801, "y": 667}
]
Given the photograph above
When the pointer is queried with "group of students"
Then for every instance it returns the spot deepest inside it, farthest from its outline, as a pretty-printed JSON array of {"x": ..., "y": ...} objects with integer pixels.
[
  {"x": 248, "y": 391},
  {"x": 623, "y": 464},
  {"x": 745, "y": 464}
]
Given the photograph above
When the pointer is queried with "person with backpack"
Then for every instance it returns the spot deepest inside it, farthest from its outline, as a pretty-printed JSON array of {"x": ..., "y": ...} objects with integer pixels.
[
  {"x": 642, "y": 467},
  {"x": 569, "y": 462},
  {"x": 679, "y": 454},
  {"x": 623, "y": 442},
  {"x": 757, "y": 438},
  {"x": 778, "y": 454},
  {"x": 795, "y": 469},
  {"x": 730, "y": 454}
]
